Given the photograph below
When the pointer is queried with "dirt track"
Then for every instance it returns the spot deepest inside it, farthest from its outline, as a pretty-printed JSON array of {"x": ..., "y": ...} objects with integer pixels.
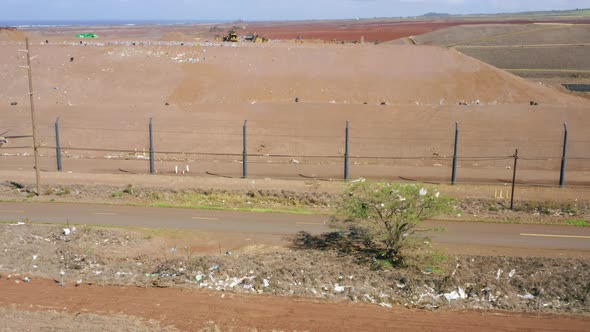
[{"x": 190, "y": 310}]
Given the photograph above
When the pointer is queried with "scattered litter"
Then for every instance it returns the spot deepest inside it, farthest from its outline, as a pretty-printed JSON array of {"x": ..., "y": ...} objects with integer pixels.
[
  {"x": 527, "y": 296},
  {"x": 66, "y": 231},
  {"x": 386, "y": 305},
  {"x": 512, "y": 273},
  {"x": 338, "y": 288},
  {"x": 26, "y": 279},
  {"x": 455, "y": 295},
  {"x": 61, "y": 278}
]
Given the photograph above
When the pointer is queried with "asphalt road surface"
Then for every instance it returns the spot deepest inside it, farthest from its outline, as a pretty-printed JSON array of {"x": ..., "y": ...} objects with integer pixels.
[{"x": 453, "y": 233}]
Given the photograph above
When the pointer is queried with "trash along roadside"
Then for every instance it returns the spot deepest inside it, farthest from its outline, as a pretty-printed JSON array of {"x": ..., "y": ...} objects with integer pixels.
[{"x": 115, "y": 257}]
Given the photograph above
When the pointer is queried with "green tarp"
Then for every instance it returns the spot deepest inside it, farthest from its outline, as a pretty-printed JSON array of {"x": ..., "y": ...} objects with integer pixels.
[{"x": 87, "y": 35}]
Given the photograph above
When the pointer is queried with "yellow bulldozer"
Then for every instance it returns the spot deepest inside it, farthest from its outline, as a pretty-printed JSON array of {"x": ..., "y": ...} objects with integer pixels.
[{"x": 232, "y": 36}]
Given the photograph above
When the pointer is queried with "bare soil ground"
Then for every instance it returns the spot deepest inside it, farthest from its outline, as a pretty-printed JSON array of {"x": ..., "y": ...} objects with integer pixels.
[
  {"x": 320, "y": 272},
  {"x": 549, "y": 53},
  {"x": 206, "y": 311},
  {"x": 35, "y": 318},
  {"x": 199, "y": 97},
  {"x": 508, "y": 35}
]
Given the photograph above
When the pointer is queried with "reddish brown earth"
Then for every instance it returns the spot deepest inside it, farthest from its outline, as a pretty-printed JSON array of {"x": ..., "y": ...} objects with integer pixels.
[
  {"x": 107, "y": 94},
  {"x": 191, "y": 310},
  {"x": 371, "y": 30}
]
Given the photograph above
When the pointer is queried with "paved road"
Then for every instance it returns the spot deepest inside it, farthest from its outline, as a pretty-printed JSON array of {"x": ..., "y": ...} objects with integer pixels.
[{"x": 455, "y": 233}]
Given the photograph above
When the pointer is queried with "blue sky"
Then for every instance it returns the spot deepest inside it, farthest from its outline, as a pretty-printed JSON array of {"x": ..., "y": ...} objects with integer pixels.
[{"x": 18, "y": 10}]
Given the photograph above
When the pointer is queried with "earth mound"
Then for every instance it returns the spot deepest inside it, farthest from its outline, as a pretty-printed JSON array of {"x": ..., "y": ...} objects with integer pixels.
[{"x": 393, "y": 74}]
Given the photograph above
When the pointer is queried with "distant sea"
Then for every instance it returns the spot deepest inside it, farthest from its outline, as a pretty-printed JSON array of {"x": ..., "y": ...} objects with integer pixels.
[{"x": 74, "y": 23}]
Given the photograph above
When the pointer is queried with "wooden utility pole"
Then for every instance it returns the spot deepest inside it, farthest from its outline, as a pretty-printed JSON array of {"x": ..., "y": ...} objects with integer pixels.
[{"x": 34, "y": 123}]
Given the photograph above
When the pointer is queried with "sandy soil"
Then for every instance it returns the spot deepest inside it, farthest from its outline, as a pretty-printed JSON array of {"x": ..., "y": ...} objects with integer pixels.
[
  {"x": 104, "y": 102},
  {"x": 35, "y": 318},
  {"x": 192, "y": 310}
]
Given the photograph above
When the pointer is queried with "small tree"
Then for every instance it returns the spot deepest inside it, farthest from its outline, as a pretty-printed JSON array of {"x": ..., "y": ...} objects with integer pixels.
[{"x": 391, "y": 213}]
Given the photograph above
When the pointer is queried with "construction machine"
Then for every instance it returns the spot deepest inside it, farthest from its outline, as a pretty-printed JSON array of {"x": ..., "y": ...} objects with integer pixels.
[
  {"x": 232, "y": 36},
  {"x": 4, "y": 139},
  {"x": 255, "y": 38}
]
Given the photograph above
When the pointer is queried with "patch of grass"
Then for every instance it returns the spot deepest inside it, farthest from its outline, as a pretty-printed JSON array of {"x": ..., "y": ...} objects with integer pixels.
[
  {"x": 436, "y": 263},
  {"x": 244, "y": 209},
  {"x": 428, "y": 260},
  {"x": 577, "y": 222},
  {"x": 382, "y": 264},
  {"x": 251, "y": 201},
  {"x": 129, "y": 190},
  {"x": 61, "y": 191}
]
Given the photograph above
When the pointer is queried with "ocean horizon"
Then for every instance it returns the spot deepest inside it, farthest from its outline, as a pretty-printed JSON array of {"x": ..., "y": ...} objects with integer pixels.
[{"x": 74, "y": 23}]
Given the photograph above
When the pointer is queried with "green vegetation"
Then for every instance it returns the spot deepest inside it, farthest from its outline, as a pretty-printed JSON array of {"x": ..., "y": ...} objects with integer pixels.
[
  {"x": 60, "y": 191},
  {"x": 435, "y": 262},
  {"x": 229, "y": 208},
  {"x": 577, "y": 222},
  {"x": 253, "y": 201},
  {"x": 389, "y": 214}
]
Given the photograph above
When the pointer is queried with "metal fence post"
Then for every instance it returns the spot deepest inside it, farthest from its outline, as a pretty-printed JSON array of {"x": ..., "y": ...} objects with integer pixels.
[
  {"x": 57, "y": 146},
  {"x": 347, "y": 153},
  {"x": 245, "y": 151},
  {"x": 513, "y": 180},
  {"x": 563, "y": 157},
  {"x": 454, "y": 176},
  {"x": 152, "y": 160}
]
